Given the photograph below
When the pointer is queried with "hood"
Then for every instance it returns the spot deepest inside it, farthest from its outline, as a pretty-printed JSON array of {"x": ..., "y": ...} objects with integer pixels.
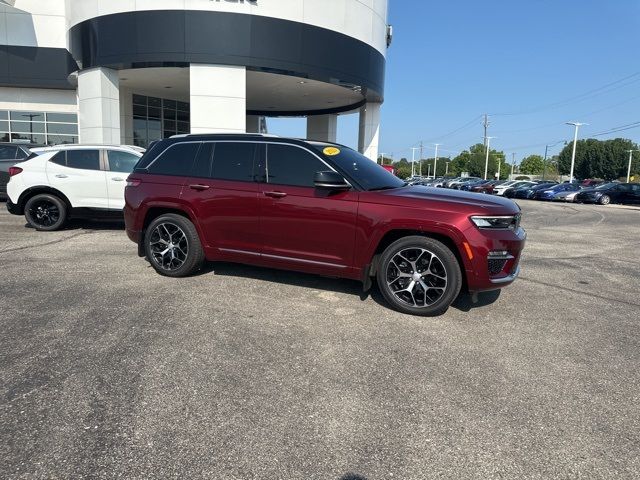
[{"x": 437, "y": 197}]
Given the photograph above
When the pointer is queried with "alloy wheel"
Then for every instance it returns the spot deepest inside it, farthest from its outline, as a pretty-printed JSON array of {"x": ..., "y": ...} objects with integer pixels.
[
  {"x": 169, "y": 246},
  {"x": 417, "y": 277},
  {"x": 44, "y": 213}
]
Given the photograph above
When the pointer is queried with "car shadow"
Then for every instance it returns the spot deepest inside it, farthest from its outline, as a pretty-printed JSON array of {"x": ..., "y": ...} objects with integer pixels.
[{"x": 464, "y": 302}]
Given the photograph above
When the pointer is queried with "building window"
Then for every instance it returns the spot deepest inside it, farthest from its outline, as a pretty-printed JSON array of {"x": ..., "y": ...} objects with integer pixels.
[
  {"x": 41, "y": 128},
  {"x": 157, "y": 118}
]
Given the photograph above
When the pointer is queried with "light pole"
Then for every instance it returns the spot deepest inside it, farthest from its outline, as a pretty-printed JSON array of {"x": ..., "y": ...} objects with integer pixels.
[
  {"x": 630, "y": 160},
  {"x": 435, "y": 162},
  {"x": 486, "y": 161},
  {"x": 446, "y": 172},
  {"x": 513, "y": 162},
  {"x": 413, "y": 161},
  {"x": 577, "y": 125}
]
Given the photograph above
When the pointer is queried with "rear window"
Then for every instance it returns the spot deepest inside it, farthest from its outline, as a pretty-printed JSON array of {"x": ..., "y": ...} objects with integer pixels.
[
  {"x": 8, "y": 152},
  {"x": 83, "y": 159},
  {"x": 176, "y": 160}
]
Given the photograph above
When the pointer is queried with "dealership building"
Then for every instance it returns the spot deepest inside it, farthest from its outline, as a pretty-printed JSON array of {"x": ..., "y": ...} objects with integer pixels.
[{"x": 134, "y": 71}]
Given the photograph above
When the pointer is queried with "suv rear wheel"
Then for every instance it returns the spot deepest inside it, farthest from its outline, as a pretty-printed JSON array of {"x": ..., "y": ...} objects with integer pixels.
[
  {"x": 45, "y": 212},
  {"x": 172, "y": 246},
  {"x": 419, "y": 276}
]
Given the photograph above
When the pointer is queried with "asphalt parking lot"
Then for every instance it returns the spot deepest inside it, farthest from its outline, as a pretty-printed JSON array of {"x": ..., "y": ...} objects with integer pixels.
[{"x": 109, "y": 370}]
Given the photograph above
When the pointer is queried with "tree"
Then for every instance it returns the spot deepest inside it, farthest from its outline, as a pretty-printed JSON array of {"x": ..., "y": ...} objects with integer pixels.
[
  {"x": 607, "y": 159},
  {"x": 532, "y": 165},
  {"x": 473, "y": 161}
]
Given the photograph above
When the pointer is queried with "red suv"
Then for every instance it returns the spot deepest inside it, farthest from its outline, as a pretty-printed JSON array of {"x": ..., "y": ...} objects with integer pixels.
[{"x": 320, "y": 208}]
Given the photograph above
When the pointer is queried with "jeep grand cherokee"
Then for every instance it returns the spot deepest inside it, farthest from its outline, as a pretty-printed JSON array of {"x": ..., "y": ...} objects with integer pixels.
[{"x": 320, "y": 208}]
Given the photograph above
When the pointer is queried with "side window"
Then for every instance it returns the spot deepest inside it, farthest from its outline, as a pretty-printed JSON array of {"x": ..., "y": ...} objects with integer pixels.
[
  {"x": 120, "y": 161},
  {"x": 202, "y": 165},
  {"x": 288, "y": 165},
  {"x": 8, "y": 152},
  {"x": 234, "y": 161},
  {"x": 176, "y": 160},
  {"x": 83, "y": 159},
  {"x": 60, "y": 158}
]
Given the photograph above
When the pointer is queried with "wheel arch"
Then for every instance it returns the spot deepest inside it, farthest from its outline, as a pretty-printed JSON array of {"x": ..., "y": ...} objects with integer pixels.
[
  {"x": 154, "y": 211},
  {"x": 397, "y": 233},
  {"x": 33, "y": 191}
]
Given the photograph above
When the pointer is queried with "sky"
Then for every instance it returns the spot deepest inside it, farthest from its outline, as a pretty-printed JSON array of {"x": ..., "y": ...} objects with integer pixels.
[{"x": 532, "y": 65}]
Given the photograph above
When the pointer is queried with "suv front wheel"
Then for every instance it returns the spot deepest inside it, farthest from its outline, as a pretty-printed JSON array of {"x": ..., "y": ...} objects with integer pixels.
[
  {"x": 172, "y": 246},
  {"x": 419, "y": 276}
]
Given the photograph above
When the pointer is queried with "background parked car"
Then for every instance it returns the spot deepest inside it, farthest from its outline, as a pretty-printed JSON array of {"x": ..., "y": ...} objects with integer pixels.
[
  {"x": 500, "y": 189},
  {"x": 591, "y": 182},
  {"x": 509, "y": 192},
  {"x": 550, "y": 192},
  {"x": 458, "y": 183},
  {"x": 610, "y": 193},
  {"x": 529, "y": 192},
  {"x": 11, "y": 154},
  {"x": 70, "y": 180},
  {"x": 486, "y": 187},
  {"x": 567, "y": 195},
  {"x": 467, "y": 186}
]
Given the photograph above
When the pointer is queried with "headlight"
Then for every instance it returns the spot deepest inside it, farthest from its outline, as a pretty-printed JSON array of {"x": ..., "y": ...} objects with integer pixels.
[{"x": 511, "y": 222}]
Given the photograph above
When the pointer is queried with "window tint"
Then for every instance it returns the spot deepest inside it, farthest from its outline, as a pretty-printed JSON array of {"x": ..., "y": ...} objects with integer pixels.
[
  {"x": 120, "y": 161},
  {"x": 234, "y": 161},
  {"x": 8, "y": 152},
  {"x": 83, "y": 159},
  {"x": 202, "y": 166},
  {"x": 60, "y": 158},
  {"x": 176, "y": 160},
  {"x": 288, "y": 165}
]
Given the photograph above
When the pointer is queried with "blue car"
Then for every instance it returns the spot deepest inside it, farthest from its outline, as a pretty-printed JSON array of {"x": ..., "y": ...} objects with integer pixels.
[{"x": 551, "y": 191}]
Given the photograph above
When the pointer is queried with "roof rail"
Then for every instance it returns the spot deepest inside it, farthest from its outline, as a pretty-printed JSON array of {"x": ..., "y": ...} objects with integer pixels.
[{"x": 183, "y": 135}]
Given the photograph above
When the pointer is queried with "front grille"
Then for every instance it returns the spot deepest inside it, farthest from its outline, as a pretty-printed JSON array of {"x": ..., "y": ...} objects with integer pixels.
[{"x": 496, "y": 265}]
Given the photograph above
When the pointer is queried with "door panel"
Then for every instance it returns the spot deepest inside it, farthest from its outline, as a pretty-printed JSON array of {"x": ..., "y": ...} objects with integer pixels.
[
  {"x": 120, "y": 164},
  {"x": 84, "y": 187},
  {"x": 301, "y": 225},
  {"x": 227, "y": 205}
]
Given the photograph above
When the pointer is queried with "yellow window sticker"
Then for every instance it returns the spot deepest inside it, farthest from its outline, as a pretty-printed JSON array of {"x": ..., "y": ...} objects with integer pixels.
[{"x": 330, "y": 151}]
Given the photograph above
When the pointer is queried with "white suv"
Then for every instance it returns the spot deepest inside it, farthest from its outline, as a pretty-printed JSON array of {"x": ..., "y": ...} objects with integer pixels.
[{"x": 70, "y": 180}]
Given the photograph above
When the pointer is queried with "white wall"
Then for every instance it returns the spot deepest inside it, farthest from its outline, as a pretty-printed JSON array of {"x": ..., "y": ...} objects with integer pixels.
[
  {"x": 365, "y": 20},
  {"x": 33, "y": 23},
  {"x": 38, "y": 99}
]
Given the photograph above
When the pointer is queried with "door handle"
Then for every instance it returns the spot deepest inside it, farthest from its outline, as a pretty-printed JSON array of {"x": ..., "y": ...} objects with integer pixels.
[
  {"x": 61, "y": 175},
  {"x": 117, "y": 179},
  {"x": 199, "y": 187},
  {"x": 275, "y": 194}
]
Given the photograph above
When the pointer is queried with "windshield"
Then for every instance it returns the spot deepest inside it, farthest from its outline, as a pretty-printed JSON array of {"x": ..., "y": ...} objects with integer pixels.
[
  {"x": 606, "y": 186},
  {"x": 366, "y": 173}
]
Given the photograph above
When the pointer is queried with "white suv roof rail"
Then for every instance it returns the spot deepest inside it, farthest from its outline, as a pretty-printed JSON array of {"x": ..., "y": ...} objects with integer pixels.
[{"x": 184, "y": 135}]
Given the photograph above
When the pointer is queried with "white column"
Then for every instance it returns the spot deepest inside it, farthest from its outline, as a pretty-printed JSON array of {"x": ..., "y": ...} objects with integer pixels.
[
  {"x": 323, "y": 128},
  {"x": 218, "y": 98},
  {"x": 126, "y": 116},
  {"x": 253, "y": 123},
  {"x": 369, "y": 130},
  {"x": 99, "y": 106}
]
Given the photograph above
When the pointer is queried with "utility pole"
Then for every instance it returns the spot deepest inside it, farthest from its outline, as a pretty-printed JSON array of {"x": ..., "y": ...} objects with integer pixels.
[
  {"x": 499, "y": 162},
  {"x": 447, "y": 170},
  {"x": 544, "y": 163},
  {"x": 486, "y": 161},
  {"x": 381, "y": 158},
  {"x": 513, "y": 162},
  {"x": 577, "y": 125},
  {"x": 486, "y": 124},
  {"x": 420, "y": 164},
  {"x": 413, "y": 161},
  {"x": 630, "y": 160},
  {"x": 435, "y": 162}
]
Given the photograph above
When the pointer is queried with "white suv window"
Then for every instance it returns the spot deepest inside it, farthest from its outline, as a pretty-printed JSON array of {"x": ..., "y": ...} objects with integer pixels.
[
  {"x": 82, "y": 159},
  {"x": 120, "y": 161}
]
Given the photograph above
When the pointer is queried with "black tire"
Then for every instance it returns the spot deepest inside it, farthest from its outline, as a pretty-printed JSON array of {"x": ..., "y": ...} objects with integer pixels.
[
  {"x": 604, "y": 200},
  {"x": 46, "y": 212},
  {"x": 440, "y": 293},
  {"x": 181, "y": 259}
]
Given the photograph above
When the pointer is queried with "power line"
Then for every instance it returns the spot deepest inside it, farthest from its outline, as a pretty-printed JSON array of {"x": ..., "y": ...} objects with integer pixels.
[
  {"x": 579, "y": 98},
  {"x": 621, "y": 128}
]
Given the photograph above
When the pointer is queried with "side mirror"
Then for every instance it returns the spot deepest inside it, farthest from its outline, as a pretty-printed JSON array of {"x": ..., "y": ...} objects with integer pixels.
[{"x": 330, "y": 180}]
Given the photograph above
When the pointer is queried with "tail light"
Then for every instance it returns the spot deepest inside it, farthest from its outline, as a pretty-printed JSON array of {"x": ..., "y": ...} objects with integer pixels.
[
  {"x": 133, "y": 182},
  {"x": 14, "y": 171}
]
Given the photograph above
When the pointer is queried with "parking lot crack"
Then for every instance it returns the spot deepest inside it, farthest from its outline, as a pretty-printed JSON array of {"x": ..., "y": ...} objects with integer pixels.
[{"x": 53, "y": 242}]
